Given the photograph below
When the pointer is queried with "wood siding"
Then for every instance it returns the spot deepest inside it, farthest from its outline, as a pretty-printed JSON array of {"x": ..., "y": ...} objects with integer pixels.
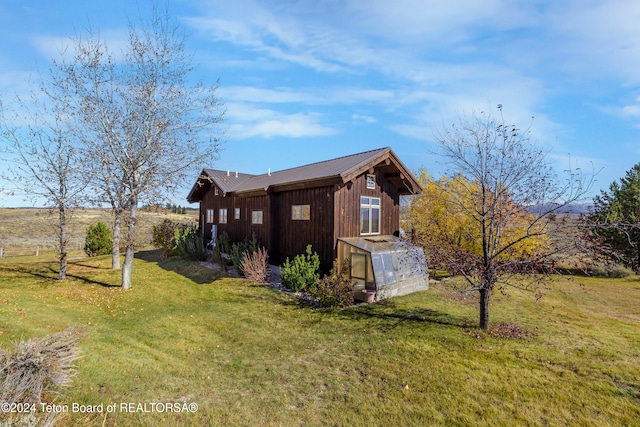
[
  {"x": 347, "y": 206},
  {"x": 291, "y": 237},
  {"x": 238, "y": 229},
  {"x": 334, "y": 212}
]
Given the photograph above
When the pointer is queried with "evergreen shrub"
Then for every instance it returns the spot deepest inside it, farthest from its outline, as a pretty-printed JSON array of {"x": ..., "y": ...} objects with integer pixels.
[
  {"x": 303, "y": 273},
  {"x": 97, "y": 240}
]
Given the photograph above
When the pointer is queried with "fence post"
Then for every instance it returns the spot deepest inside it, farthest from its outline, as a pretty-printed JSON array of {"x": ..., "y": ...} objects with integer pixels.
[
  {"x": 1, "y": 252},
  {"x": 37, "y": 250}
]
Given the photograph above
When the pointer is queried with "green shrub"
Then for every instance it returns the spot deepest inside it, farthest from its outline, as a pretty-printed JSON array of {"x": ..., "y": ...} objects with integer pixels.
[
  {"x": 336, "y": 288},
  {"x": 615, "y": 271},
  {"x": 98, "y": 240},
  {"x": 222, "y": 246},
  {"x": 183, "y": 240},
  {"x": 162, "y": 236},
  {"x": 301, "y": 274},
  {"x": 620, "y": 271},
  {"x": 187, "y": 242}
]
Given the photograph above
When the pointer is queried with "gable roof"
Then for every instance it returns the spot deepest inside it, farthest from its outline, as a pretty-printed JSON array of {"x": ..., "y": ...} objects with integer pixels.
[
  {"x": 342, "y": 169},
  {"x": 227, "y": 181}
]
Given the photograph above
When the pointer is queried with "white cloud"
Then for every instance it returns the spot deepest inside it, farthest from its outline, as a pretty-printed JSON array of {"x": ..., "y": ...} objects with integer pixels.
[
  {"x": 57, "y": 47},
  {"x": 431, "y": 42},
  {"x": 247, "y": 121},
  {"x": 309, "y": 96},
  {"x": 14, "y": 83},
  {"x": 273, "y": 30},
  {"x": 437, "y": 22},
  {"x": 630, "y": 110},
  {"x": 286, "y": 126},
  {"x": 599, "y": 38},
  {"x": 271, "y": 96},
  {"x": 361, "y": 118},
  {"x": 52, "y": 47}
]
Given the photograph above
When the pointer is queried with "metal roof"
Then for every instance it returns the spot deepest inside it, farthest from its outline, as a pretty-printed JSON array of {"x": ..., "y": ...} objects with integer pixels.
[
  {"x": 319, "y": 170},
  {"x": 345, "y": 168},
  {"x": 226, "y": 180},
  {"x": 378, "y": 243}
]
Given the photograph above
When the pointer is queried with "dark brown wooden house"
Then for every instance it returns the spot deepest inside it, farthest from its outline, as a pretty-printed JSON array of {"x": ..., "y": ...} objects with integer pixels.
[{"x": 317, "y": 204}]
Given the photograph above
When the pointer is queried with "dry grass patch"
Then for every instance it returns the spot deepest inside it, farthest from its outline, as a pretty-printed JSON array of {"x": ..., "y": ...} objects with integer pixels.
[{"x": 24, "y": 229}]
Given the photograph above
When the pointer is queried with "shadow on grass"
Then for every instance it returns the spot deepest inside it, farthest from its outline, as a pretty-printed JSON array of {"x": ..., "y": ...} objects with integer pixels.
[
  {"x": 29, "y": 270},
  {"x": 388, "y": 316},
  {"x": 85, "y": 265},
  {"x": 50, "y": 273},
  {"x": 93, "y": 282},
  {"x": 187, "y": 268},
  {"x": 385, "y": 315}
]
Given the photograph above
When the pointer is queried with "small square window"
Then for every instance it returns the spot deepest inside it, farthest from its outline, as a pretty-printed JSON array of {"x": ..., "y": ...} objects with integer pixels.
[
  {"x": 236, "y": 213},
  {"x": 371, "y": 182},
  {"x": 300, "y": 212},
  {"x": 256, "y": 217}
]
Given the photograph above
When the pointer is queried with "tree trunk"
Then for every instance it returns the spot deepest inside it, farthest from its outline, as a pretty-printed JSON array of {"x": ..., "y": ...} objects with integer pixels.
[
  {"x": 484, "y": 308},
  {"x": 63, "y": 243},
  {"x": 115, "y": 239},
  {"x": 127, "y": 267},
  {"x": 637, "y": 269}
]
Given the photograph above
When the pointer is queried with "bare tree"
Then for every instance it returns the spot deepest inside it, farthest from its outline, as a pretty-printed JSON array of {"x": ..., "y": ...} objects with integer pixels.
[
  {"x": 111, "y": 188},
  {"x": 145, "y": 126},
  {"x": 511, "y": 193},
  {"x": 42, "y": 153}
]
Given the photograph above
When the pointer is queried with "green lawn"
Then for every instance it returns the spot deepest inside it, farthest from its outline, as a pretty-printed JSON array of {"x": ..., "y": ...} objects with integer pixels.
[{"x": 249, "y": 355}]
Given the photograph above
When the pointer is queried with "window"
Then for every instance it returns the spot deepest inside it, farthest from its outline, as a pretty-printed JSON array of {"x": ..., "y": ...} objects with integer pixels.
[
  {"x": 222, "y": 218},
  {"x": 300, "y": 212},
  {"x": 369, "y": 215},
  {"x": 236, "y": 213},
  {"x": 209, "y": 216},
  {"x": 256, "y": 217},
  {"x": 216, "y": 192},
  {"x": 371, "y": 182}
]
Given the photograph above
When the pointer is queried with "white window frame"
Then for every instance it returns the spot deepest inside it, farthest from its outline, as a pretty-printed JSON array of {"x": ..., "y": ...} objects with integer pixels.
[
  {"x": 371, "y": 181},
  {"x": 236, "y": 213},
  {"x": 301, "y": 212},
  {"x": 222, "y": 216},
  {"x": 368, "y": 203},
  {"x": 256, "y": 217},
  {"x": 210, "y": 214}
]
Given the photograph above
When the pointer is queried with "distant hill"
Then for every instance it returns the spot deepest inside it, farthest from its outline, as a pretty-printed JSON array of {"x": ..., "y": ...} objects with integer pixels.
[{"x": 573, "y": 208}]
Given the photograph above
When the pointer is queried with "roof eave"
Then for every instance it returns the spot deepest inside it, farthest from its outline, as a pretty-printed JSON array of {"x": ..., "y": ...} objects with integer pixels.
[
  {"x": 387, "y": 153},
  {"x": 191, "y": 197}
]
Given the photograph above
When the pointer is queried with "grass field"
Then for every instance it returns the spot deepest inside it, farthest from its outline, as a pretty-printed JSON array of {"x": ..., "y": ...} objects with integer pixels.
[
  {"x": 24, "y": 230},
  {"x": 250, "y": 355}
]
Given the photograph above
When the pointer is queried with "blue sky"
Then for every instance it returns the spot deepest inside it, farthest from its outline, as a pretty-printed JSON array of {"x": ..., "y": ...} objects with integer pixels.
[{"x": 306, "y": 81}]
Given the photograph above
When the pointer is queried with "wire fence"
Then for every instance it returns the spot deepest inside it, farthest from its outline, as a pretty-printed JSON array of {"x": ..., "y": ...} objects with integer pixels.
[{"x": 8, "y": 251}]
